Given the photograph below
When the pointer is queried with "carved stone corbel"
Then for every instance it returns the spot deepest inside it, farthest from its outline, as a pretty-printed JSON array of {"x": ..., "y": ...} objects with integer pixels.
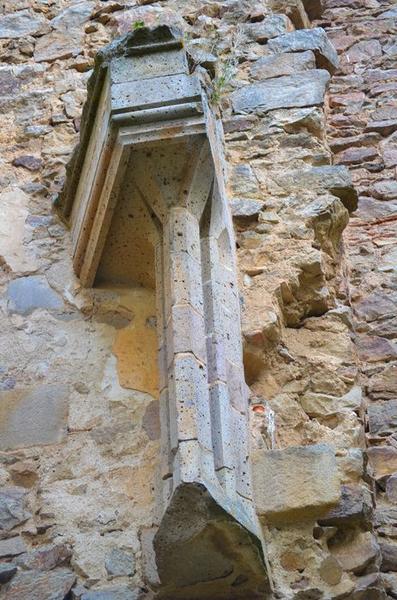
[{"x": 149, "y": 138}]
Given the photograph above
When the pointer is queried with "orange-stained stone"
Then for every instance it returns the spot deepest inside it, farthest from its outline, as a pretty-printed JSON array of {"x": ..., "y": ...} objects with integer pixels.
[{"x": 135, "y": 346}]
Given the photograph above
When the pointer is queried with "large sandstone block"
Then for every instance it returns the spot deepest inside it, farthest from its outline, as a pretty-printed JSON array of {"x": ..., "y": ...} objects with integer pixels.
[
  {"x": 296, "y": 483},
  {"x": 290, "y": 91}
]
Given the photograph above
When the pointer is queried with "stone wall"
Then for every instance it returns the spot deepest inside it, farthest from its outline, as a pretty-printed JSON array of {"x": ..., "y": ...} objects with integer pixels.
[{"x": 79, "y": 447}]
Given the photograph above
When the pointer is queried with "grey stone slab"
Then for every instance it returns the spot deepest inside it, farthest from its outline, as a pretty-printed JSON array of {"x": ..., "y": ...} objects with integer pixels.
[
  {"x": 286, "y": 63},
  {"x": 12, "y": 507},
  {"x": 154, "y": 92},
  {"x": 314, "y": 39},
  {"x": 289, "y": 91},
  {"x": 382, "y": 417},
  {"x": 270, "y": 27},
  {"x": 73, "y": 16},
  {"x": 27, "y": 294},
  {"x": 39, "y": 585},
  {"x": 12, "y": 547},
  {"x": 33, "y": 416},
  {"x": 147, "y": 66},
  {"x": 20, "y": 24},
  {"x": 120, "y": 562},
  {"x": 7, "y": 571},
  {"x": 334, "y": 178},
  {"x": 246, "y": 207},
  {"x": 114, "y": 593}
]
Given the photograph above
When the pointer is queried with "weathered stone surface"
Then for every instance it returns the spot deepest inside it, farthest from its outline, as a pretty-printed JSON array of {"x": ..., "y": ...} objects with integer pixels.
[
  {"x": 357, "y": 553},
  {"x": 14, "y": 252},
  {"x": 245, "y": 208},
  {"x": 45, "y": 558},
  {"x": 39, "y": 585},
  {"x": 369, "y": 587},
  {"x": 119, "y": 562},
  {"x": 373, "y": 348},
  {"x": 221, "y": 551},
  {"x": 12, "y": 508},
  {"x": 113, "y": 593},
  {"x": 73, "y": 16},
  {"x": 325, "y": 405},
  {"x": 20, "y": 24},
  {"x": 31, "y": 163},
  {"x": 270, "y": 27},
  {"x": 33, "y": 416},
  {"x": 336, "y": 179},
  {"x": 389, "y": 557},
  {"x": 58, "y": 45},
  {"x": 355, "y": 506},
  {"x": 308, "y": 39},
  {"x": 12, "y": 547},
  {"x": 27, "y": 294},
  {"x": 289, "y": 91},
  {"x": 287, "y": 63},
  {"x": 391, "y": 488},
  {"x": 286, "y": 499},
  {"x": 383, "y": 460},
  {"x": 382, "y": 418},
  {"x": 330, "y": 570},
  {"x": 7, "y": 571}
]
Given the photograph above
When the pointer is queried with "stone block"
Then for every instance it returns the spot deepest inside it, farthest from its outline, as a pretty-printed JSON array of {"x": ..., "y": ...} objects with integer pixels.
[
  {"x": 286, "y": 63},
  {"x": 113, "y": 593},
  {"x": 185, "y": 333},
  {"x": 356, "y": 553},
  {"x": 39, "y": 585},
  {"x": 308, "y": 39},
  {"x": 12, "y": 547},
  {"x": 289, "y": 91},
  {"x": 334, "y": 178},
  {"x": 20, "y": 24},
  {"x": 270, "y": 27},
  {"x": 383, "y": 460},
  {"x": 7, "y": 571},
  {"x": 355, "y": 506},
  {"x": 12, "y": 508},
  {"x": 382, "y": 417},
  {"x": 243, "y": 208},
  {"x": 389, "y": 557},
  {"x": 32, "y": 417},
  {"x": 27, "y": 294},
  {"x": 296, "y": 483},
  {"x": 150, "y": 93}
]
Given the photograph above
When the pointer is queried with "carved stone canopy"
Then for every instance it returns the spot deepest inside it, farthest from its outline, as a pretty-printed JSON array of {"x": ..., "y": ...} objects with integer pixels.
[{"x": 146, "y": 204}]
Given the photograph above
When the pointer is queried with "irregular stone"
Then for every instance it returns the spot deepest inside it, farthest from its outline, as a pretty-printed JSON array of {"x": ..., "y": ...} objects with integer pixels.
[
  {"x": 33, "y": 416},
  {"x": 357, "y": 553},
  {"x": 324, "y": 405},
  {"x": 270, "y": 27},
  {"x": 289, "y": 91},
  {"x": 368, "y": 587},
  {"x": 287, "y": 63},
  {"x": 15, "y": 254},
  {"x": 27, "y": 294},
  {"x": 244, "y": 208},
  {"x": 73, "y": 16},
  {"x": 295, "y": 11},
  {"x": 20, "y": 24},
  {"x": 372, "y": 348},
  {"x": 336, "y": 179},
  {"x": 314, "y": 39},
  {"x": 32, "y": 163},
  {"x": 119, "y": 593},
  {"x": 391, "y": 489},
  {"x": 7, "y": 572},
  {"x": 58, "y": 45},
  {"x": 355, "y": 156},
  {"x": 385, "y": 190},
  {"x": 364, "y": 51},
  {"x": 330, "y": 571},
  {"x": 12, "y": 508},
  {"x": 12, "y": 547},
  {"x": 151, "y": 420},
  {"x": 382, "y": 417},
  {"x": 287, "y": 500},
  {"x": 355, "y": 506},
  {"x": 243, "y": 181},
  {"x": 46, "y": 557},
  {"x": 375, "y": 306},
  {"x": 383, "y": 460},
  {"x": 389, "y": 557},
  {"x": 389, "y": 150},
  {"x": 39, "y": 585},
  {"x": 119, "y": 562},
  {"x": 383, "y": 386}
]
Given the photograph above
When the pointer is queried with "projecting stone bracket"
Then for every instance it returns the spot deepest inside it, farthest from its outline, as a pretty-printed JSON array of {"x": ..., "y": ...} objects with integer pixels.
[{"x": 147, "y": 206}]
